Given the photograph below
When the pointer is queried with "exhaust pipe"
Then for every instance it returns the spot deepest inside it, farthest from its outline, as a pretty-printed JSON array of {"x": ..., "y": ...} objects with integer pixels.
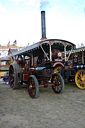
[{"x": 43, "y": 25}]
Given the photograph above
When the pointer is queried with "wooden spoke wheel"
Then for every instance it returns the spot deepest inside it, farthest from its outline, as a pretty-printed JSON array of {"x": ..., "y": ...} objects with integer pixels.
[
  {"x": 13, "y": 76},
  {"x": 58, "y": 82},
  {"x": 33, "y": 86},
  {"x": 80, "y": 79}
]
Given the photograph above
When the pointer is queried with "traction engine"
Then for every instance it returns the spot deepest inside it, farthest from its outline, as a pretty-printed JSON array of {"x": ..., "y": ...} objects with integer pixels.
[
  {"x": 75, "y": 67},
  {"x": 35, "y": 66}
]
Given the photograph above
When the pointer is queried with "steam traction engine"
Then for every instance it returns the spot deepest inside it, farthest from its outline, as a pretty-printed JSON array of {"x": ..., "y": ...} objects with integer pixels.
[
  {"x": 35, "y": 66},
  {"x": 75, "y": 67}
]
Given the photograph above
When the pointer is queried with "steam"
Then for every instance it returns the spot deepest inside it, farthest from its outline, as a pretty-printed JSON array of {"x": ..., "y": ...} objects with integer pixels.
[{"x": 43, "y": 4}]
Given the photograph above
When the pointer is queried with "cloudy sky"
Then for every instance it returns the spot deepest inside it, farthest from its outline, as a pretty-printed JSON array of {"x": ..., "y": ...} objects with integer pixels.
[{"x": 21, "y": 20}]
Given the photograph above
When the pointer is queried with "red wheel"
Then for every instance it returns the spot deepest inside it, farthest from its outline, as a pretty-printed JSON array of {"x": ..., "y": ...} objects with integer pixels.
[
  {"x": 13, "y": 76},
  {"x": 58, "y": 82},
  {"x": 33, "y": 86}
]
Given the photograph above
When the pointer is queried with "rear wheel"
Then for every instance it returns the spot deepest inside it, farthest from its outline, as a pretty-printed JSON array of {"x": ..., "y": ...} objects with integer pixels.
[
  {"x": 13, "y": 75},
  {"x": 58, "y": 82},
  {"x": 80, "y": 79},
  {"x": 33, "y": 86}
]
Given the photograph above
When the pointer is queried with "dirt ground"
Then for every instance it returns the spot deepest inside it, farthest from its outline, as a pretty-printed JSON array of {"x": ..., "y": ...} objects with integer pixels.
[{"x": 49, "y": 110}]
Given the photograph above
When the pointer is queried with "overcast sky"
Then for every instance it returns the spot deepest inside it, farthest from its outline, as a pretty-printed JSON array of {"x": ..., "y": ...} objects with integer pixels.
[{"x": 21, "y": 20}]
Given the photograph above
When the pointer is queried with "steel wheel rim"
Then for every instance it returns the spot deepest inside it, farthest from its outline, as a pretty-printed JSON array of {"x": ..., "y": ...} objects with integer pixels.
[{"x": 80, "y": 79}]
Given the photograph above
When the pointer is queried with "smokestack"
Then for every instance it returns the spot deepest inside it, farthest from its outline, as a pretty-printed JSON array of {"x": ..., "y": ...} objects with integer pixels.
[{"x": 43, "y": 25}]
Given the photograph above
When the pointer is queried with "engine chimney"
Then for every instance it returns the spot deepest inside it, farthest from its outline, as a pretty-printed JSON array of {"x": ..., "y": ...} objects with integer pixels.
[{"x": 43, "y": 25}]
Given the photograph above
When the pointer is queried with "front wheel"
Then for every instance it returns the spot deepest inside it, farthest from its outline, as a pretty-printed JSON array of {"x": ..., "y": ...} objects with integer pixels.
[
  {"x": 58, "y": 82},
  {"x": 33, "y": 86},
  {"x": 80, "y": 79}
]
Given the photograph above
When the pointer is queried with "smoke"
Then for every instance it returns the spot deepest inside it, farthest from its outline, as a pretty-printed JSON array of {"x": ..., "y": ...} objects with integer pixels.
[{"x": 44, "y": 4}]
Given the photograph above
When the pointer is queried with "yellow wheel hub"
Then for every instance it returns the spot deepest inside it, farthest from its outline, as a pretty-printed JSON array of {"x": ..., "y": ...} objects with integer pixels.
[
  {"x": 80, "y": 79},
  {"x": 83, "y": 78},
  {"x": 56, "y": 70}
]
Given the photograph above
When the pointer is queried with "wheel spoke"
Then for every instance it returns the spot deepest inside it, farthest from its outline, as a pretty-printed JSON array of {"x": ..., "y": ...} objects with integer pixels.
[
  {"x": 79, "y": 77},
  {"x": 11, "y": 70}
]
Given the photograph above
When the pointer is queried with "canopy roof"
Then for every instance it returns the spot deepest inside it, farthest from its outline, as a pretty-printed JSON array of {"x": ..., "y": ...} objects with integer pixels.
[
  {"x": 51, "y": 42},
  {"x": 76, "y": 50}
]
